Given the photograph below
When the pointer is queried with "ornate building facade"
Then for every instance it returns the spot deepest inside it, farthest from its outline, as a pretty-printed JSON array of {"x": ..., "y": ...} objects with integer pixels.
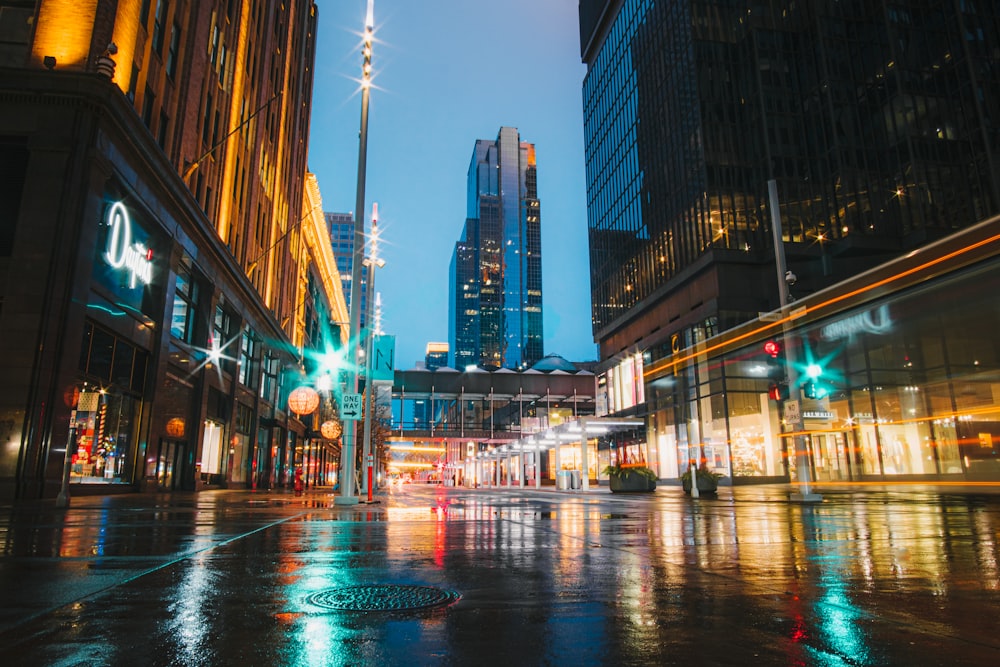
[{"x": 156, "y": 254}]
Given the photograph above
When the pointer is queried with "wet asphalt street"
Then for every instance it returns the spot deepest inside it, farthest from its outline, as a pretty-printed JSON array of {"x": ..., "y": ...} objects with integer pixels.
[{"x": 904, "y": 575}]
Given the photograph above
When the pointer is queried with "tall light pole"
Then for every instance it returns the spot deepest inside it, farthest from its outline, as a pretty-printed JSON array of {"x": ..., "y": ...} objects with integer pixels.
[
  {"x": 347, "y": 495},
  {"x": 794, "y": 391}
]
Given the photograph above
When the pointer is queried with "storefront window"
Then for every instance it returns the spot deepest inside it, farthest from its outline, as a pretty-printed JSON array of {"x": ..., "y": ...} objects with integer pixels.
[
  {"x": 239, "y": 444},
  {"x": 106, "y": 406},
  {"x": 103, "y": 426},
  {"x": 211, "y": 448}
]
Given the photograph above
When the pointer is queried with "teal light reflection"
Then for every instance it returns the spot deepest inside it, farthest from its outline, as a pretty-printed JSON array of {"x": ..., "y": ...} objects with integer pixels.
[
  {"x": 316, "y": 636},
  {"x": 839, "y": 628},
  {"x": 839, "y": 634}
]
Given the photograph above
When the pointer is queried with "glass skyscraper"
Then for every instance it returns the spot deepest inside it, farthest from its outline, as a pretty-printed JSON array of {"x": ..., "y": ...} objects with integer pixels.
[
  {"x": 495, "y": 297},
  {"x": 436, "y": 356},
  {"x": 879, "y": 124},
  {"x": 342, "y": 240}
]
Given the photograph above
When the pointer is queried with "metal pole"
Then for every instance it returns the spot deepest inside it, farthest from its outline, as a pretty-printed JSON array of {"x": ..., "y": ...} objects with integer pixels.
[
  {"x": 794, "y": 391},
  {"x": 62, "y": 500},
  {"x": 521, "y": 465},
  {"x": 558, "y": 463},
  {"x": 536, "y": 458},
  {"x": 694, "y": 462},
  {"x": 347, "y": 496}
]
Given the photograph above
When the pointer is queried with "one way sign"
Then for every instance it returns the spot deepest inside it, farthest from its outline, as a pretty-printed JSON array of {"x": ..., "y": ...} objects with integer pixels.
[{"x": 350, "y": 407}]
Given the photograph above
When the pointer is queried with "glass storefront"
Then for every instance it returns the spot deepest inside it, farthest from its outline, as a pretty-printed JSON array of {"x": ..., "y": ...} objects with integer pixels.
[
  {"x": 104, "y": 427},
  {"x": 106, "y": 407},
  {"x": 905, "y": 386}
]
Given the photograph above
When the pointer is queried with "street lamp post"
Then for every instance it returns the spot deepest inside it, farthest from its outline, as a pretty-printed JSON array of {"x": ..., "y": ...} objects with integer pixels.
[
  {"x": 347, "y": 495},
  {"x": 795, "y": 392}
]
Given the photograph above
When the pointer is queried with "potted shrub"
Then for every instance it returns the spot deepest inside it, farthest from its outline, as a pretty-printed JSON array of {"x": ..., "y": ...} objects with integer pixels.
[
  {"x": 708, "y": 481},
  {"x": 630, "y": 478}
]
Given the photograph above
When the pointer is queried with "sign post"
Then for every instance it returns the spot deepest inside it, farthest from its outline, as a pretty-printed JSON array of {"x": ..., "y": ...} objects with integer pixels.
[
  {"x": 370, "y": 463},
  {"x": 785, "y": 280}
]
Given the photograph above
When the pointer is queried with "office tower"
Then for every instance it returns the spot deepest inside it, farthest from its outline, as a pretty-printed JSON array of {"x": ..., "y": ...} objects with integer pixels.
[
  {"x": 342, "y": 239},
  {"x": 878, "y": 125},
  {"x": 436, "y": 356},
  {"x": 154, "y": 172},
  {"x": 495, "y": 297}
]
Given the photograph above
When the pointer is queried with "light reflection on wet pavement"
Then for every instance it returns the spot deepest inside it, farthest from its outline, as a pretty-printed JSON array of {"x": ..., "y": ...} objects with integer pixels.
[{"x": 868, "y": 577}]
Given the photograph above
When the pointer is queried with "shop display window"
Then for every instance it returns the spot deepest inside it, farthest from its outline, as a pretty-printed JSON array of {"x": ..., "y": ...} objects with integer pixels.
[{"x": 103, "y": 427}]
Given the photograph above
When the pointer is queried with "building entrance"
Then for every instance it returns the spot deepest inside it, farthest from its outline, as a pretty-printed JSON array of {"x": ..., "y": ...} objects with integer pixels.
[{"x": 174, "y": 466}]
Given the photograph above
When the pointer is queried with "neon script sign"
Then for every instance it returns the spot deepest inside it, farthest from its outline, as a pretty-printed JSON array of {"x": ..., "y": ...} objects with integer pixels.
[{"x": 124, "y": 255}]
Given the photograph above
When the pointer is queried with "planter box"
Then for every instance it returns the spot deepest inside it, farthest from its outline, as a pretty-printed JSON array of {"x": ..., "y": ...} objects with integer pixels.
[
  {"x": 631, "y": 482},
  {"x": 704, "y": 485}
]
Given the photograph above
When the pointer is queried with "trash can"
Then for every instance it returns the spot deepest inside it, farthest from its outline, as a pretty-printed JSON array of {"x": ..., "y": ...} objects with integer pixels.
[
  {"x": 562, "y": 480},
  {"x": 574, "y": 480}
]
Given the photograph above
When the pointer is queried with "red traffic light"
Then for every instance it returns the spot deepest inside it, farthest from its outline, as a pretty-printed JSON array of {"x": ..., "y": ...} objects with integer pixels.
[
  {"x": 777, "y": 391},
  {"x": 772, "y": 347}
]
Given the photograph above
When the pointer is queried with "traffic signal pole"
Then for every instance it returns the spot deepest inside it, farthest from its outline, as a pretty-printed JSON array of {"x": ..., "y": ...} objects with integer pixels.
[{"x": 802, "y": 469}]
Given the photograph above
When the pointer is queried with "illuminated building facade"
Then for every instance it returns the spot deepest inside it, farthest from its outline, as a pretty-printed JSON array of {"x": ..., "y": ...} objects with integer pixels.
[
  {"x": 495, "y": 280},
  {"x": 155, "y": 244},
  {"x": 894, "y": 377},
  {"x": 321, "y": 303},
  {"x": 877, "y": 125},
  {"x": 468, "y": 419}
]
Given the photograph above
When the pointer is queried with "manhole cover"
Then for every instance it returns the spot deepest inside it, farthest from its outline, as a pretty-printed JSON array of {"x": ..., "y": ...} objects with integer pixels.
[{"x": 383, "y": 597}]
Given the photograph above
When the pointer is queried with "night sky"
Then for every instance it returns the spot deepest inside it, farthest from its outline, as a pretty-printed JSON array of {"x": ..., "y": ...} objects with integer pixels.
[{"x": 448, "y": 72}]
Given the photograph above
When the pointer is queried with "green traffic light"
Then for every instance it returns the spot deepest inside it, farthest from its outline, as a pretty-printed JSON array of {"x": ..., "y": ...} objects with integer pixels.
[{"x": 814, "y": 391}]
